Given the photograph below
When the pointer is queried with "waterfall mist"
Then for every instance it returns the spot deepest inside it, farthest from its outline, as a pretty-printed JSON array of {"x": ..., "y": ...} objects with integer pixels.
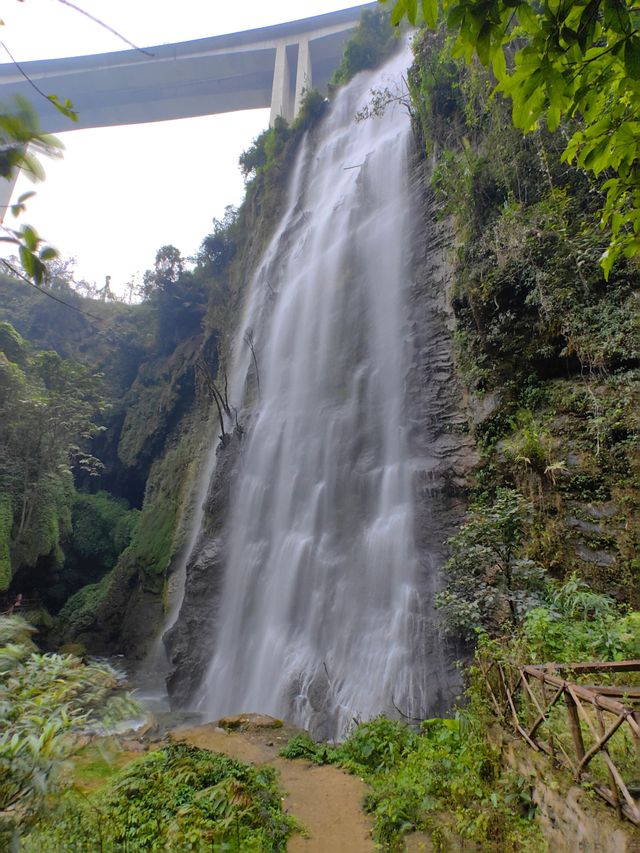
[{"x": 325, "y": 612}]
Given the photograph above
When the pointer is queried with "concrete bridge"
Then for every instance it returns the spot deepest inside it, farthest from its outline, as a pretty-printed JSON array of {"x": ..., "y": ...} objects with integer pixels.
[
  {"x": 267, "y": 67},
  {"x": 253, "y": 69}
]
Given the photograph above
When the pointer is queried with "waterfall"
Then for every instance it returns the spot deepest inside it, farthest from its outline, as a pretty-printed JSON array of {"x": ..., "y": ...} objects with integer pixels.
[{"x": 324, "y": 615}]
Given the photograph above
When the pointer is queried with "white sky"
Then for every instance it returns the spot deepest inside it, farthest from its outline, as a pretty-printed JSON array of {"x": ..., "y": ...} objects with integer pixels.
[{"x": 122, "y": 192}]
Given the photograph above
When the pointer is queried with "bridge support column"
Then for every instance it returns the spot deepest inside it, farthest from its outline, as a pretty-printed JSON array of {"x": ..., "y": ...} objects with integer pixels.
[
  {"x": 281, "y": 96},
  {"x": 304, "y": 80}
]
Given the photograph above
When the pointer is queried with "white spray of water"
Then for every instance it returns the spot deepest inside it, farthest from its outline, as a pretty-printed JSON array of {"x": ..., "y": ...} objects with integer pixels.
[{"x": 320, "y": 618}]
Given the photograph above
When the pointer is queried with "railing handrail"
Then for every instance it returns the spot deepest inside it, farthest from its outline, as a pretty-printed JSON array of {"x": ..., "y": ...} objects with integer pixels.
[
  {"x": 596, "y": 666},
  {"x": 513, "y": 690},
  {"x": 587, "y": 693}
]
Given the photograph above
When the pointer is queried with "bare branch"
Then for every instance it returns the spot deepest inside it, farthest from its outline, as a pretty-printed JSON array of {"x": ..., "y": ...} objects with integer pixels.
[
  {"x": 249, "y": 341},
  {"x": 105, "y": 26},
  {"x": 406, "y": 716}
]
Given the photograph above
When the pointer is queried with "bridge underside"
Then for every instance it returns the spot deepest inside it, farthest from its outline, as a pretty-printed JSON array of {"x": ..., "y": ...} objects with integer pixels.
[
  {"x": 267, "y": 67},
  {"x": 261, "y": 68}
]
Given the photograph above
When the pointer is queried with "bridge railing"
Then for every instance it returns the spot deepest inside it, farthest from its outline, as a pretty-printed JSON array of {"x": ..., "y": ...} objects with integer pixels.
[{"x": 592, "y": 730}]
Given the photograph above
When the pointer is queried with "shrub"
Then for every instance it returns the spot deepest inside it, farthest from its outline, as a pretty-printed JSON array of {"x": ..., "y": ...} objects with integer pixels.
[
  {"x": 577, "y": 624},
  {"x": 490, "y": 583},
  {"x": 372, "y": 42},
  {"x": 45, "y": 700},
  {"x": 178, "y": 797}
]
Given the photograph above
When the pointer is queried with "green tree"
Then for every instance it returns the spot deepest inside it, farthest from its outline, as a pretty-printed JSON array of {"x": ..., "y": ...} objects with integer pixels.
[
  {"x": 371, "y": 43},
  {"x": 166, "y": 272},
  {"x": 490, "y": 584},
  {"x": 574, "y": 60},
  {"x": 219, "y": 247},
  {"x": 47, "y": 410}
]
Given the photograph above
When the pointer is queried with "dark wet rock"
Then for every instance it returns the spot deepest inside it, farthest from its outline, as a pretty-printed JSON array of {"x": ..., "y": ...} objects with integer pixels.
[
  {"x": 441, "y": 445},
  {"x": 189, "y": 641},
  {"x": 598, "y": 558},
  {"x": 586, "y": 526}
]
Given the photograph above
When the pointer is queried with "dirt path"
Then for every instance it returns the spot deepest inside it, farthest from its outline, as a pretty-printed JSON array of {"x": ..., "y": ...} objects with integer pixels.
[{"x": 326, "y": 801}]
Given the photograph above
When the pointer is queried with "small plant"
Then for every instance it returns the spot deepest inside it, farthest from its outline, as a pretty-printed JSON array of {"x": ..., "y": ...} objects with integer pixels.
[
  {"x": 301, "y": 746},
  {"x": 377, "y": 745}
]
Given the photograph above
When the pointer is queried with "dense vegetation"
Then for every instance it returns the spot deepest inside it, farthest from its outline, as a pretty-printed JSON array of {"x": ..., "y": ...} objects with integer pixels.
[
  {"x": 47, "y": 411},
  {"x": 444, "y": 779},
  {"x": 177, "y": 797},
  {"x": 547, "y": 349},
  {"x": 46, "y": 702},
  {"x": 579, "y": 61}
]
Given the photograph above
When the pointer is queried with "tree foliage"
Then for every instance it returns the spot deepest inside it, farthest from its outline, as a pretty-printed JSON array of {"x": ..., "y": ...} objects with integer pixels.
[
  {"x": 21, "y": 143},
  {"x": 45, "y": 701},
  {"x": 167, "y": 269},
  {"x": 47, "y": 410},
  {"x": 490, "y": 583},
  {"x": 102, "y": 526},
  {"x": 219, "y": 247},
  {"x": 371, "y": 43},
  {"x": 577, "y": 61}
]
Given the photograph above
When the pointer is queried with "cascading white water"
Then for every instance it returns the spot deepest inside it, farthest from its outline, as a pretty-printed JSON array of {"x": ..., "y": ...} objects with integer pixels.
[{"x": 320, "y": 618}]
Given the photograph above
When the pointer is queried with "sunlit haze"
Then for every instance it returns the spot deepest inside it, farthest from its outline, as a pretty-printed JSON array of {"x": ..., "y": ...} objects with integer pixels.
[{"x": 121, "y": 193}]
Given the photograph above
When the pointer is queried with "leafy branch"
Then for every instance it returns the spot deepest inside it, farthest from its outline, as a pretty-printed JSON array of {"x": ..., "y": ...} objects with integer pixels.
[{"x": 571, "y": 61}]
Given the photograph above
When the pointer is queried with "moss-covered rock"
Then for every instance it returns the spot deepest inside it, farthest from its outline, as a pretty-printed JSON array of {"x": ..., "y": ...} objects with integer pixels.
[{"x": 6, "y": 522}]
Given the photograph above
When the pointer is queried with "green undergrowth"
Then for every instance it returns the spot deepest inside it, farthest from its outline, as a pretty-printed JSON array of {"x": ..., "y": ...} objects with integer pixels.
[
  {"x": 46, "y": 701},
  {"x": 79, "y": 613},
  {"x": 177, "y": 797},
  {"x": 98, "y": 763},
  {"x": 444, "y": 779},
  {"x": 157, "y": 537},
  {"x": 546, "y": 348}
]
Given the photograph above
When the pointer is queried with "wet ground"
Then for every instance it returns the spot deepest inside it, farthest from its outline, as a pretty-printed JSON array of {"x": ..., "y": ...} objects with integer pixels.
[{"x": 325, "y": 800}]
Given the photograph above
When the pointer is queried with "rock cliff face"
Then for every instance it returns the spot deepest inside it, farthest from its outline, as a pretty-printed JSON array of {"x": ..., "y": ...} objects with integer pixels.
[
  {"x": 440, "y": 417},
  {"x": 443, "y": 448},
  {"x": 187, "y": 644}
]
